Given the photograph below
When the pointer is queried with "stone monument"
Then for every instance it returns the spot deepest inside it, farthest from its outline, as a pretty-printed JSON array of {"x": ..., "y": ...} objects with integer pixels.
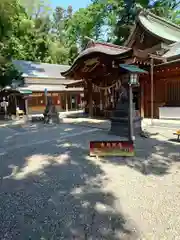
[{"x": 52, "y": 111}]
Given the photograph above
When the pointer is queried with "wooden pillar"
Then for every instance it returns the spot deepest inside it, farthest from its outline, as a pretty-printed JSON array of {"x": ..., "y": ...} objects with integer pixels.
[
  {"x": 15, "y": 101},
  {"x": 100, "y": 101},
  {"x": 152, "y": 90},
  {"x": 77, "y": 100},
  {"x": 142, "y": 99},
  {"x": 130, "y": 114},
  {"x": 66, "y": 102},
  {"x": 146, "y": 97},
  {"x": 26, "y": 105},
  {"x": 90, "y": 102},
  {"x": 46, "y": 96}
]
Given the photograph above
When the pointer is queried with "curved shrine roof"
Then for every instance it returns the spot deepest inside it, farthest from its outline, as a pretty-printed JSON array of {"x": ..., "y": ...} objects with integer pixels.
[
  {"x": 157, "y": 26},
  {"x": 106, "y": 48},
  {"x": 98, "y": 48}
]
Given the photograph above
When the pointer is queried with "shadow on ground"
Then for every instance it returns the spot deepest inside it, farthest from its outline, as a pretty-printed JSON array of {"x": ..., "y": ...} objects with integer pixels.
[
  {"x": 152, "y": 156},
  {"x": 56, "y": 193},
  {"x": 9, "y": 135}
]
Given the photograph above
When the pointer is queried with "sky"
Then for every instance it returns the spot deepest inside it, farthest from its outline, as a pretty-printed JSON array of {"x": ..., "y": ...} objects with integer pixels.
[{"x": 76, "y": 4}]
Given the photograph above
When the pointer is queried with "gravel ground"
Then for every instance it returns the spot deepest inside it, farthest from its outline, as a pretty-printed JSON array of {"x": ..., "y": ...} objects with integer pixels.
[{"x": 51, "y": 189}]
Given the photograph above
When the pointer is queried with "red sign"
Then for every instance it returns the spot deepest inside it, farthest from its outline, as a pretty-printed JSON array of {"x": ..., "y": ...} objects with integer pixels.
[{"x": 112, "y": 148}]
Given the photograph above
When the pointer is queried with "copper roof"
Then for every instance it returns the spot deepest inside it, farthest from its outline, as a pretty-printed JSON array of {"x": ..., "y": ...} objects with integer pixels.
[
  {"x": 106, "y": 48},
  {"x": 97, "y": 47},
  {"x": 158, "y": 26}
]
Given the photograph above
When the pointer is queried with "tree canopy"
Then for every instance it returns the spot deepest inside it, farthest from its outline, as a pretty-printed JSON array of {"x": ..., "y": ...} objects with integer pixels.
[{"x": 31, "y": 30}]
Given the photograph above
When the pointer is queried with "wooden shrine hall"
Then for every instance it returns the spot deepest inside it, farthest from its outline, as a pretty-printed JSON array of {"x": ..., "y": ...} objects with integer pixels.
[
  {"x": 108, "y": 83},
  {"x": 153, "y": 46}
]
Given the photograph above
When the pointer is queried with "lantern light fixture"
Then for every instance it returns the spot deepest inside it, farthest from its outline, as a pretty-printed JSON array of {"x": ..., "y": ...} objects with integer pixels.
[{"x": 134, "y": 77}]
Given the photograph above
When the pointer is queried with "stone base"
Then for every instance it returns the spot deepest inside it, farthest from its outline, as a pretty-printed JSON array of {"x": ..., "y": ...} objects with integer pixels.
[
  {"x": 120, "y": 127},
  {"x": 137, "y": 124}
]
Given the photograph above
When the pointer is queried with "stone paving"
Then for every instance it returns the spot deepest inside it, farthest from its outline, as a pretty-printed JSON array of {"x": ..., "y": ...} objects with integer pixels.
[{"x": 51, "y": 189}]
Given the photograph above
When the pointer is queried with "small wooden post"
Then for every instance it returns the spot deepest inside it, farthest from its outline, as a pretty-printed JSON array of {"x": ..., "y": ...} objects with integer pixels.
[
  {"x": 90, "y": 102},
  {"x": 66, "y": 102},
  {"x": 152, "y": 90}
]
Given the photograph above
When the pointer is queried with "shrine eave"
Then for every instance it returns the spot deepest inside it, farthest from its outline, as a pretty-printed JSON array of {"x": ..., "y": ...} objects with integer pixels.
[
  {"x": 177, "y": 61},
  {"x": 173, "y": 52},
  {"x": 99, "y": 49},
  {"x": 78, "y": 83}
]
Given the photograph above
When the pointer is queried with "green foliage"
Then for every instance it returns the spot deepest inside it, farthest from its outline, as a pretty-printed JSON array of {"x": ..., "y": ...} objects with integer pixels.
[
  {"x": 36, "y": 8},
  {"x": 8, "y": 10},
  {"x": 175, "y": 17},
  {"x": 31, "y": 30},
  {"x": 121, "y": 14},
  {"x": 8, "y": 73}
]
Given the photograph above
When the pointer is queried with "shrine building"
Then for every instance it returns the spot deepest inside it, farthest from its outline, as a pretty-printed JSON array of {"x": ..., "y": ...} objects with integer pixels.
[{"x": 154, "y": 46}]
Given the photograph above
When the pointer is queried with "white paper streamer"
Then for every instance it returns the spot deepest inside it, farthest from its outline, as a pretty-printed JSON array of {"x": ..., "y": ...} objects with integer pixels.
[
  {"x": 117, "y": 86},
  {"x": 105, "y": 88},
  {"x": 119, "y": 83}
]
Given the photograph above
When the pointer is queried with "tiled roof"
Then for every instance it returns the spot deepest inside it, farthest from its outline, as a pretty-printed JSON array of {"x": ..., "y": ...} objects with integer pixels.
[{"x": 40, "y": 70}]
